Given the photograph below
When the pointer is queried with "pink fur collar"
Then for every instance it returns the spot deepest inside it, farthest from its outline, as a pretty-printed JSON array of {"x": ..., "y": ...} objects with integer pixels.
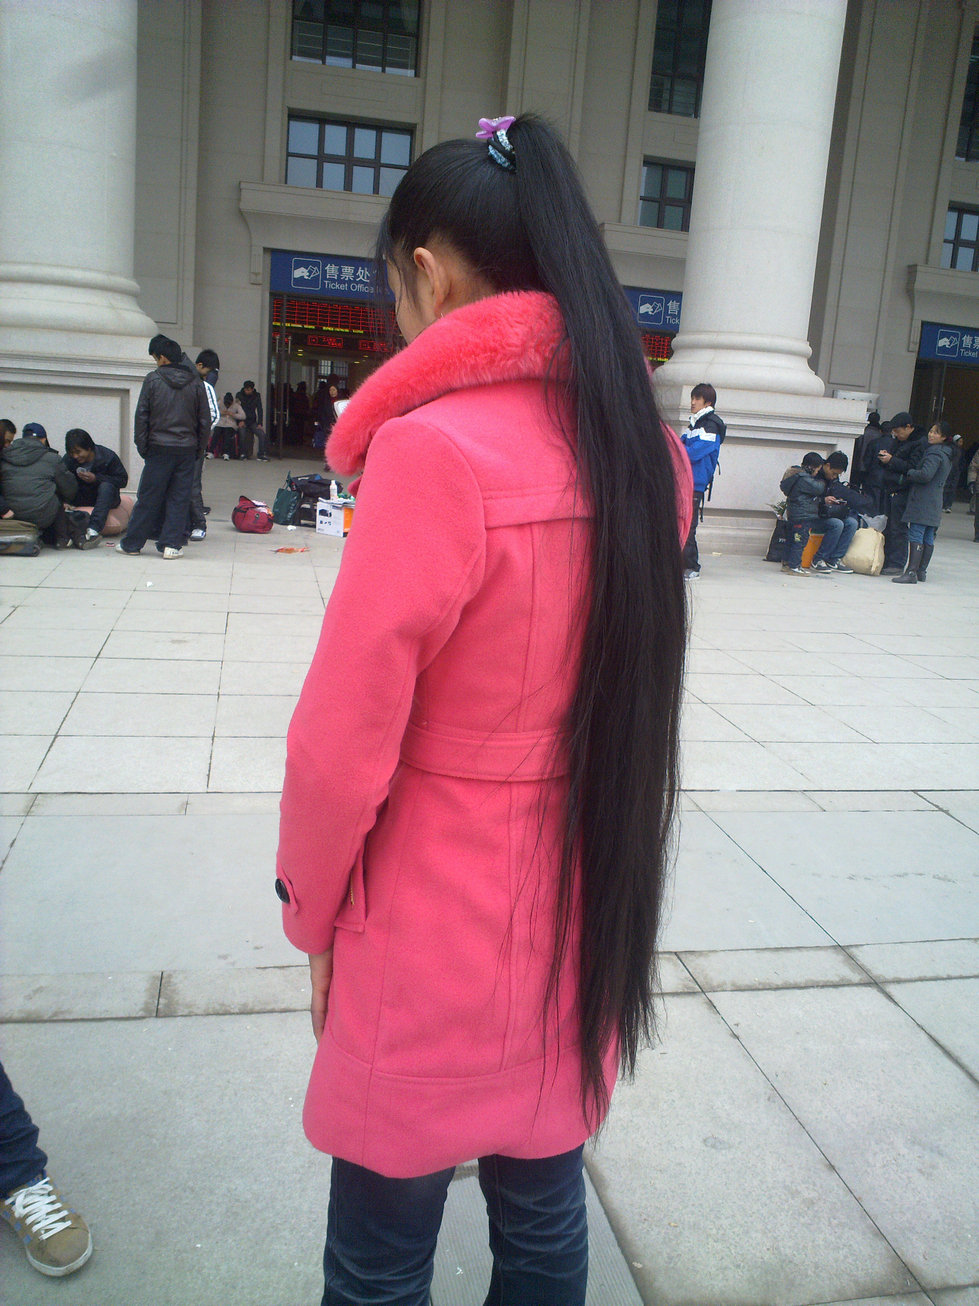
[{"x": 504, "y": 338}]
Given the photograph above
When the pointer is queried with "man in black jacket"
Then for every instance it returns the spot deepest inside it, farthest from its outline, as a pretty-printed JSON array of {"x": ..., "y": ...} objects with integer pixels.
[
  {"x": 100, "y": 475},
  {"x": 173, "y": 422},
  {"x": 905, "y": 449},
  {"x": 251, "y": 401}
]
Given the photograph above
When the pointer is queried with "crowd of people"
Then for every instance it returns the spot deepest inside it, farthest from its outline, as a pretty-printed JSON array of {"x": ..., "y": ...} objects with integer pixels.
[
  {"x": 901, "y": 474},
  {"x": 75, "y": 499}
]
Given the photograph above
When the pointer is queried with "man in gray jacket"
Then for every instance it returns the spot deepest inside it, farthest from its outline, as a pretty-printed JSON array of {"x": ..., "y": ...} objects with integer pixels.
[
  {"x": 36, "y": 485},
  {"x": 173, "y": 422}
]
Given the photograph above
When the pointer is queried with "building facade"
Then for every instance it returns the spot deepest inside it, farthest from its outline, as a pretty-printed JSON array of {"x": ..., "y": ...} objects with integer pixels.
[{"x": 789, "y": 191}]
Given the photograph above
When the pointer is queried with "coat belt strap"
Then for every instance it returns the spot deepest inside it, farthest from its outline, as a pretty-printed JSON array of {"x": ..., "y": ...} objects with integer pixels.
[{"x": 471, "y": 755}]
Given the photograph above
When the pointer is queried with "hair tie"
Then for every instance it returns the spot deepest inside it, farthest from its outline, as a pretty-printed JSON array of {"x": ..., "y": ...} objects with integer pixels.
[{"x": 494, "y": 132}]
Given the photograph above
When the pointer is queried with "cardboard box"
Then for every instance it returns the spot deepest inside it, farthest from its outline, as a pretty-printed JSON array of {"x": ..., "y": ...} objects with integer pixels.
[{"x": 333, "y": 518}]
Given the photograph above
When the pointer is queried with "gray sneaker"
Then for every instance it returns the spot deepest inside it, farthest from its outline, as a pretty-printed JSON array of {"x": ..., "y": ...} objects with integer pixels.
[
  {"x": 56, "y": 1238},
  {"x": 819, "y": 565}
]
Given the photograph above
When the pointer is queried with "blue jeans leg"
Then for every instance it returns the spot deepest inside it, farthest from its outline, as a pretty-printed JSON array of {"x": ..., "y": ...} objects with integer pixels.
[
  {"x": 380, "y": 1237},
  {"x": 845, "y": 540},
  {"x": 381, "y": 1233},
  {"x": 918, "y": 533},
  {"x": 21, "y": 1160},
  {"x": 832, "y": 529},
  {"x": 538, "y": 1229},
  {"x": 798, "y": 539},
  {"x": 107, "y": 497}
]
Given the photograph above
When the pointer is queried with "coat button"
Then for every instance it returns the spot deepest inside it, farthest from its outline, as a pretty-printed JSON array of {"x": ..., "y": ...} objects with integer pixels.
[{"x": 282, "y": 892}]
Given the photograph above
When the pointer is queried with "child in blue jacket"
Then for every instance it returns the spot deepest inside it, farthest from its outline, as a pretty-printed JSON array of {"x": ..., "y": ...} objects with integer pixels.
[{"x": 702, "y": 441}]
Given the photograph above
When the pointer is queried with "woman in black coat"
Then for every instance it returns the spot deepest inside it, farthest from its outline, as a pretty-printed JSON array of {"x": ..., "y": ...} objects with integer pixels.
[{"x": 924, "y": 511}]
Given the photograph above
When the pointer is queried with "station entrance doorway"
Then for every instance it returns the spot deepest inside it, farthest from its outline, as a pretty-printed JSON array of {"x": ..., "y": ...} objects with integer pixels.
[
  {"x": 946, "y": 382},
  {"x": 313, "y": 342}
]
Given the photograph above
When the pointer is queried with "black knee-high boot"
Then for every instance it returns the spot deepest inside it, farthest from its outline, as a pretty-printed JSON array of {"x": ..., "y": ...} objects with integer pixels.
[
  {"x": 910, "y": 575},
  {"x": 928, "y": 550}
]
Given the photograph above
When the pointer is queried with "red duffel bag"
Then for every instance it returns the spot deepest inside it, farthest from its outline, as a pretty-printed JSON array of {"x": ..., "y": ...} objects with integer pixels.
[{"x": 252, "y": 516}]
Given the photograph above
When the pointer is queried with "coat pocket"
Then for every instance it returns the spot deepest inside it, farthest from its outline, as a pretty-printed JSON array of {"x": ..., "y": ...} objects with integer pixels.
[{"x": 353, "y": 913}]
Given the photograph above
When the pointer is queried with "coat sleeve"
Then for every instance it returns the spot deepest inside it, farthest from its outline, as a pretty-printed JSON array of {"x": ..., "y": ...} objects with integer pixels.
[
  {"x": 203, "y": 419},
  {"x": 408, "y": 570},
  {"x": 141, "y": 422},
  {"x": 114, "y": 472},
  {"x": 65, "y": 482},
  {"x": 928, "y": 469}
]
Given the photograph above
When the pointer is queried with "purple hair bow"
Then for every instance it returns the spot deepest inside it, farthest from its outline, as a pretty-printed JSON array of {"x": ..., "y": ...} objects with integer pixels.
[{"x": 488, "y": 127}]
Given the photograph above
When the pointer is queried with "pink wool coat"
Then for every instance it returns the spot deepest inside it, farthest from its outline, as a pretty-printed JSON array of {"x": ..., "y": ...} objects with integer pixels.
[{"x": 421, "y": 839}]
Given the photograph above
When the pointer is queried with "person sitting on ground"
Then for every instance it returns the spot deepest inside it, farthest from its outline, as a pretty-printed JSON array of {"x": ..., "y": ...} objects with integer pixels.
[
  {"x": 232, "y": 416},
  {"x": 804, "y": 493},
  {"x": 923, "y": 513},
  {"x": 101, "y": 476},
  {"x": 36, "y": 485},
  {"x": 251, "y": 402},
  {"x": 844, "y": 505}
]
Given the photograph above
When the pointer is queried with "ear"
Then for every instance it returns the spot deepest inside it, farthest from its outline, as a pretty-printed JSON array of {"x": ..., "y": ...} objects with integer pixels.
[{"x": 434, "y": 285}]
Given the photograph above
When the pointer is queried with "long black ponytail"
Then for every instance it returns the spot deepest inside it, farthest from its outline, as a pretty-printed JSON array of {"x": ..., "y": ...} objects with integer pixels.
[{"x": 531, "y": 228}]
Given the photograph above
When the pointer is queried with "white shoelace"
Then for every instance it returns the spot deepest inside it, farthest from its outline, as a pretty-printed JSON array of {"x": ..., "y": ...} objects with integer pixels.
[{"x": 41, "y": 1207}]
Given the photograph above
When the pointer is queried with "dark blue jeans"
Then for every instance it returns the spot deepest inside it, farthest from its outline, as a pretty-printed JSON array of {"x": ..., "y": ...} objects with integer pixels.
[
  {"x": 837, "y": 536},
  {"x": 163, "y": 499},
  {"x": 101, "y": 498},
  {"x": 381, "y": 1233},
  {"x": 21, "y": 1160},
  {"x": 920, "y": 534}
]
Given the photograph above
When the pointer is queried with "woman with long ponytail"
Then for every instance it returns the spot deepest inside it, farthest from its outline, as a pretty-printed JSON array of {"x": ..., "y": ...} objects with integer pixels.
[{"x": 476, "y": 871}]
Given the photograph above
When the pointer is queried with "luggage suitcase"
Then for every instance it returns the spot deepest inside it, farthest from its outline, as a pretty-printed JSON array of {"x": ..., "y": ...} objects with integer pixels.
[{"x": 19, "y": 539}]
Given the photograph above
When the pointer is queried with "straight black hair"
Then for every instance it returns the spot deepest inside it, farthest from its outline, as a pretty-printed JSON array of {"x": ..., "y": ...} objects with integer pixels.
[
  {"x": 706, "y": 392},
  {"x": 163, "y": 347},
  {"x": 530, "y": 228},
  {"x": 209, "y": 359},
  {"x": 76, "y": 438},
  {"x": 946, "y": 430}
]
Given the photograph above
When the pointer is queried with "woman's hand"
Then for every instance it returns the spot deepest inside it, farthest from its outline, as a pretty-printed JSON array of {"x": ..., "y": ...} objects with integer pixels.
[{"x": 320, "y": 978}]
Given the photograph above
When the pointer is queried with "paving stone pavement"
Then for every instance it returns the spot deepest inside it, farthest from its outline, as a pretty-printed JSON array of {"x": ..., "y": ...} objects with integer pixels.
[{"x": 804, "y": 1132}]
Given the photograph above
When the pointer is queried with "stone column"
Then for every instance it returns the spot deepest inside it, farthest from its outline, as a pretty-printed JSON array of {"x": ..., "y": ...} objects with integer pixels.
[
  {"x": 72, "y": 336},
  {"x": 769, "y": 94},
  {"x": 764, "y": 137}
]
